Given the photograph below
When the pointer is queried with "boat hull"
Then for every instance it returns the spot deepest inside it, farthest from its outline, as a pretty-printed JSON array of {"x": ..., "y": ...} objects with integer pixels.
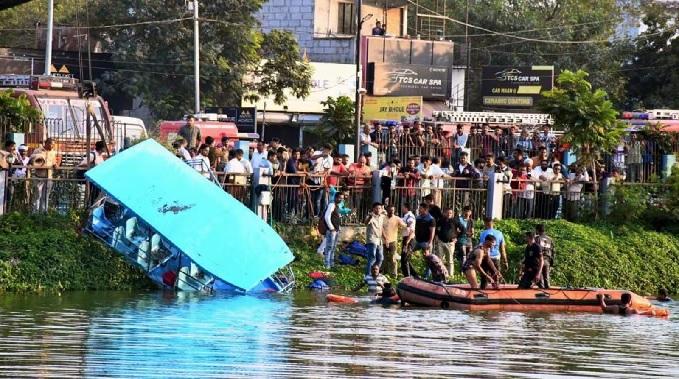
[{"x": 510, "y": 298}]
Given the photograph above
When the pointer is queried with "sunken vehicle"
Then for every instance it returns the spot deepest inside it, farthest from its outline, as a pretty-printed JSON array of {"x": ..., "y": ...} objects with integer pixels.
[{"x": 183, "y": 230}]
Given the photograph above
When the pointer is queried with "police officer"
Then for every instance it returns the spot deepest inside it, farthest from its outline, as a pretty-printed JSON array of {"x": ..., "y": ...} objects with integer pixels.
[{"x": 548, "y": 252}]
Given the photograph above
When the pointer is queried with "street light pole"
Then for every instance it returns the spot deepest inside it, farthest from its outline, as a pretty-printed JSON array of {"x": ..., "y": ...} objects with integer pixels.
[
  {"x": 196, "y": 56},
  {"x": 48, "y": 37},
  {"x": 359, "y": 74}
]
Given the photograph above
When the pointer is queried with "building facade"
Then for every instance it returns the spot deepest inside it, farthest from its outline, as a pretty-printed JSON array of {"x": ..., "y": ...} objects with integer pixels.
[{"x": 326, "y": 29}]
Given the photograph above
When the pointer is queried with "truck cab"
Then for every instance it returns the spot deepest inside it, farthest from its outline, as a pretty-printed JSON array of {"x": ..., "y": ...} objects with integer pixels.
[{"x": 64, "y": 106}]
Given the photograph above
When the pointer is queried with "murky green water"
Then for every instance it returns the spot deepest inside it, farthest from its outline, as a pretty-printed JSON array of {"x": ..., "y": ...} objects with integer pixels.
[{"x": 103, "y": 334}]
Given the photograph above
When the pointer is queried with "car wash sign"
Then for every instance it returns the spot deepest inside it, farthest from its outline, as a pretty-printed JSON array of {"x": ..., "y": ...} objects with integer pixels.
[
  {"x": 515, "y": 86},
  {"x": 389, "y": 79}
]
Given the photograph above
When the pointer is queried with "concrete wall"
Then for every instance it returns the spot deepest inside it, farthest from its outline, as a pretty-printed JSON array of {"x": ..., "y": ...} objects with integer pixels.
[
  {"x": 314, "y": 22},
  {"x": 297, "y": 16}
]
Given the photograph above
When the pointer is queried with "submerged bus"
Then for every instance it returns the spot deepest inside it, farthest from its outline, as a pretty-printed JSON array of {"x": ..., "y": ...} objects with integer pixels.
[{"x": 182, "y": 229}]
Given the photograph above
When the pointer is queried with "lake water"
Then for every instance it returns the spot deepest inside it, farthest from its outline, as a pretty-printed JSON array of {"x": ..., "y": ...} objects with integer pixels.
[{"x": 109, "y": 334}]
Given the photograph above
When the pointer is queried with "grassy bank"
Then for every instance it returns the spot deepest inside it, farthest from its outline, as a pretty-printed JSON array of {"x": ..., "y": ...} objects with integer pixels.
[
  {"x": 600, "y": 255},
  {"x": 46, "y": 253}
]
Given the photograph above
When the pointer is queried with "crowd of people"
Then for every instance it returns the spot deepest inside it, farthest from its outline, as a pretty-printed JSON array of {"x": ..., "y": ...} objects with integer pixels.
[
  {"x": 413, "y": 161},
  {"x": 446, "y": 240},
  {"x": 32, "y": 172}
]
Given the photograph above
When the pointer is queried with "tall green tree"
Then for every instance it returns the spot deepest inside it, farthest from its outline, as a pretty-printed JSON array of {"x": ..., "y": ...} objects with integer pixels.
[
  {"x": 16, "y": 113},
  {"x": 337, "y": 122},
  {"x": 152, "y": 49},
  {"x": 652, "y": 72},
  {"x": 586, "y": 116},
  {"x": 563, "y": 20},
  {"x": 236, "y": 59}
]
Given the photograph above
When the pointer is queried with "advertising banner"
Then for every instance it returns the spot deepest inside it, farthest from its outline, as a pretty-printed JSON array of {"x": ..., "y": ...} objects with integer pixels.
[
  {"x": 389, "y": 79},
  {"x": 515, "y": 86},
  {"x": 327, "y": 80},
  {"x": 243, "y": 117},
  {"x": 399, "y": 108}
]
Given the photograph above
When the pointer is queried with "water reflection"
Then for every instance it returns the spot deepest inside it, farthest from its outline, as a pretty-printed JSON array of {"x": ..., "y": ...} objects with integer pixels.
[{"x": 187, "y": 335}]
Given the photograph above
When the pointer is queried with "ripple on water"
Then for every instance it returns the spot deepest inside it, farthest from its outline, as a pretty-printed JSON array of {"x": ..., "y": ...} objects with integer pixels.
[{"x": 154, "y": 335}]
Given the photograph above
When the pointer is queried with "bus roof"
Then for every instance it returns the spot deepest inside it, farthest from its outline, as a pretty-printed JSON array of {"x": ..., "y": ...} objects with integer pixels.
[{"x": 202, "y": 220}]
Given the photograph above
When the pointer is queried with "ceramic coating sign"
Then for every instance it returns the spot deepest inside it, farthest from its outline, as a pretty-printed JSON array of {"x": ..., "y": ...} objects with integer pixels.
[
  {"x": 515, "y": 87},
  {"x": 399, "y": 108}
]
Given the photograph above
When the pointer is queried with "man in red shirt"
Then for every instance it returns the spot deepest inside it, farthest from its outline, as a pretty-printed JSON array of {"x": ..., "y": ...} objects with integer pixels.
[
  {"x": 359, "y": 172},
  {"x": 336, "y": 172}
]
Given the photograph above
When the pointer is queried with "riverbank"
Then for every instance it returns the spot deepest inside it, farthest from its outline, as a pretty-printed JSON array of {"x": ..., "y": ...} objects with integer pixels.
[
  {"x": 597, "y": 255},
  {"x": 45, "y": 253}
]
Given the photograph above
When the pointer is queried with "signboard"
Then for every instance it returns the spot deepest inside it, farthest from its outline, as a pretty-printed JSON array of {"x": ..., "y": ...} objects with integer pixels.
[
  {"x": 243, "y": 117},
  {"x": 389, "y": 79},
  {"x": 515, "y": 87},
  {"x": 399, "y": 108},
  {"x": 327, "y": 80}
]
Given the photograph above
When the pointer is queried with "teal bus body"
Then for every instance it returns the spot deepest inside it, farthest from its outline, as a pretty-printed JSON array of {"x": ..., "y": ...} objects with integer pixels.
[{"x": 216, "y": 231}]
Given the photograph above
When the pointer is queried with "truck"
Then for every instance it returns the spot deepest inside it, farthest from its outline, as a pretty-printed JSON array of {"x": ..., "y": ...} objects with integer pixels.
[{"x": 64, "y": 103}]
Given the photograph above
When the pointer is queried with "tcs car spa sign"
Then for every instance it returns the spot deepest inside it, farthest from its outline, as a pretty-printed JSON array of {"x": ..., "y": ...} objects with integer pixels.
[
  {"x": 392, "y": 79},
  {"x": 398, "y": 108},
  {"x": 515, "y": 86}
]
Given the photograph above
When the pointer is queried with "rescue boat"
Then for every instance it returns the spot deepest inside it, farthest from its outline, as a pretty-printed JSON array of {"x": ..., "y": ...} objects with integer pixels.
[{"x": 510, "y": 298}]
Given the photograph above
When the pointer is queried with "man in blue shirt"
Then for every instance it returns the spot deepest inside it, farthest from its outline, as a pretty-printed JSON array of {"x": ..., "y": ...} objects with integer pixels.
[{"x": 498, "y": 253}]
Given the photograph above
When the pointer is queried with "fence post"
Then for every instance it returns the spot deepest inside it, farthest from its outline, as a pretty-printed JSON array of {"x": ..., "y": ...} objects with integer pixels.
[
  {"x": 3, "y": 189},
  {"x": 495, "y": 196},
  {"x": 377, "y": 188}
]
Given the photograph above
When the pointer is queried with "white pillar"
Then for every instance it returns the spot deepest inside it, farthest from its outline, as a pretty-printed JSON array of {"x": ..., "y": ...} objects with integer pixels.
[
  {"x": 495, "y": 196},
  {"x": 196, "y": 56},
  {"x": 48, "y": 37}
]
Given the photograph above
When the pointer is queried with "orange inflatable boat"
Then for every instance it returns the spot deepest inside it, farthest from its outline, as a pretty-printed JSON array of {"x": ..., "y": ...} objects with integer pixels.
[{"x": 510, "y": 298}]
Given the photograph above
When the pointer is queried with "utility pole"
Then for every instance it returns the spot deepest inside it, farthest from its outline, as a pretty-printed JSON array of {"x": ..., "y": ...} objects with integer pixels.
[
  {"x": 467, "y": 47},
  {"x": 48, "y": 37},
  {"x": 359, "y": 74},
  {"x": 196, "y": 56}
]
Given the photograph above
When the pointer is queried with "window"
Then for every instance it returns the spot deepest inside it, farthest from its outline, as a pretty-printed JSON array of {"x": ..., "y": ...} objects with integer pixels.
[{"x": 346, "y": 22}]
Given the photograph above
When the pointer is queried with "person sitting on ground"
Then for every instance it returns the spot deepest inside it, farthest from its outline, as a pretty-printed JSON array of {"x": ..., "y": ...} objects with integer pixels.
[
  {"x": 374, "y": 280},
  {"x": 479, "y": 261},
  {"x": 662, "y": 295},
  {"x": 531, "y": 268},
  {"x": 624, "y": 308}
]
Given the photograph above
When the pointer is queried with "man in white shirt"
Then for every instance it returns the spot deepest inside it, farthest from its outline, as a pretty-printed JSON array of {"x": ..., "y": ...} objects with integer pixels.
[
  {"x": 407, "y": 240},
  {"x": 322, "y": 168},
  {"x": 258, "y": 155},
  {"x": 235, "y": 165},
  {"x": 544, "y": 174},
  {"x": 374, "y": 237},
  {"x": 575, "y": 182},
  {"x": 460, "y": 138},
  {"x": 201, "y": 162}
]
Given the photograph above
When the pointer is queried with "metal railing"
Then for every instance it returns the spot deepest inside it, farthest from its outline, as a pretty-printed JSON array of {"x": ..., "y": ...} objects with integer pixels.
[{"x": 43, "y": 190}]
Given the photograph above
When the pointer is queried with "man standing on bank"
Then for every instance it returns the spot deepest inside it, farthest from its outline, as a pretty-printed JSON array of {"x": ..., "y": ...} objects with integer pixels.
[
  {"x": 547, "y": 246},
  {"x": 498, "y": 254},
  {"x": 190, "y": 133}
]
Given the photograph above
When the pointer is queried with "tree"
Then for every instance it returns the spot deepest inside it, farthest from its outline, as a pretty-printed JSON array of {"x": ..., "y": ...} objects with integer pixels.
[
  {"x": 653, "y": 80},
  {"x": 280, "y": 68},
  {"x": 586, "y": 116},
  {"x": 236, "y": 59},
  {"x": 153, "y": 50},
  {"x": 337, "y": 122},
  {"x": 17, "y": 112},
  {"x": 563, "y": 20}
]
